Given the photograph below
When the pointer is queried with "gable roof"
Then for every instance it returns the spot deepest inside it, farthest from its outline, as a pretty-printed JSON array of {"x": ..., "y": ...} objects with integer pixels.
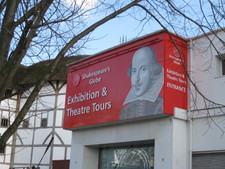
[{"x": 30, "y": 74}]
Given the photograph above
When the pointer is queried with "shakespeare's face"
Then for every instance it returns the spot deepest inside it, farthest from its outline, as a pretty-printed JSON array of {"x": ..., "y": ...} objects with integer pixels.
[{"x": 141, "y": 74}]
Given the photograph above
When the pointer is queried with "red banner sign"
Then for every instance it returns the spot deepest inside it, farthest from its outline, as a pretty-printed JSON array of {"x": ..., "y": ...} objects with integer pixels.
[{"x": 140, "y": 79}]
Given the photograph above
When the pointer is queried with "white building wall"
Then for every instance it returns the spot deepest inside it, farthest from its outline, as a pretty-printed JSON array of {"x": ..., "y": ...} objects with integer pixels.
[
  {"x": 208, "y": 117},
  {"x": 7, "y": 111},
  {"x": 205, "y": 70},
  {"x": 207, "y": 136},
  {"x": 169, "y": 135},
  {"x": 175, "y": 138},
  {"x": 32, "y": 141}
]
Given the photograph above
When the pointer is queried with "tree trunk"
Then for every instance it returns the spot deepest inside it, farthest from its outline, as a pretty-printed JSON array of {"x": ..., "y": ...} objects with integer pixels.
[{"x": 19, "y": 118}]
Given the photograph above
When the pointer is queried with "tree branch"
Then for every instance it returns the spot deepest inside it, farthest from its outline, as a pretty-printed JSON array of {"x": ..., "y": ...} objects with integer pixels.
[
  {"x": 11, "y": 130},
  {"x": 18, "y": 54},
  {"x": 7, "y": 30}
]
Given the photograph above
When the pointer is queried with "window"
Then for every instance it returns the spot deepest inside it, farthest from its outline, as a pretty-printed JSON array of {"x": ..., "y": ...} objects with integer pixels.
[
  {"x": 4, "y": 122},
  {"x": 131, "y": 157},
  {"x": 44, "y": 122},
  {"x": 223, "y": 67},
  {"x": 220, "y": 65},
  {"x": 208, "y": 160},
  {"x": 25, "y": 124},
  {"x": 2, "y": 151},
  {"x": 8, "y": 92}
]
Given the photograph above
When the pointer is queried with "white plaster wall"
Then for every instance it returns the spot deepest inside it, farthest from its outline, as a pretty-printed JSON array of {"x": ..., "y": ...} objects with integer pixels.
[
  {"x": 68, "y": 153},
  {"x": 2, "y": 130},
  {"x": 180, "y": 144},
  {"x": 206, "y": 134},
  {"x": 4, "y": 166},
  {"x": 41, "y": 134},
  {"x": 31, "y": 118},
  {"x": 63, "y": 89},
  {"x": 59, "y": 117},
  {"x": 47, "y": 89},
  {"x": 22, "y": 155},
  {"x": 46, "y": 102},
  {"x": 8, "y": 154},
  {"x": 38, "y": 153},
  {"x": 208, "y": 123},
  {"x": 43, "y": 107},
  {"x": 8, "y": 104},
  {"x": 43, "y": 102},
  {"x": 170, "y": 150},
  {"x": 50, "y": 116},
  {"x": 59, "y": 153},
  {"x": 204, "y": 70},
  {"x": 66, "y": 135},
  {"x": 61, "y": 101},
  {"x": 7, "y": 110},
  {"x": 25, "y": 137}
]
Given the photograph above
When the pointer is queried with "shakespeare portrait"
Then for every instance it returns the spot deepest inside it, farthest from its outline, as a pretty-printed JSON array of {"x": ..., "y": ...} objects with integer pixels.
[{"x": 147, "y": 78}]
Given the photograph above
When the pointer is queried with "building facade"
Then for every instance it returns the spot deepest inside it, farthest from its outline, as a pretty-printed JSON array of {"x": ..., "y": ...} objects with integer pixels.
[
  {"x": 180, "y": 137},
  {"x": 7, "y": 111},
  {"x": 186, "y": 130},
  {"x": 40, "y": 140},
  {"x": 43, "y": 125},
  {"x": 206, "y": 110},
  {"x": 141, "y": 124}
]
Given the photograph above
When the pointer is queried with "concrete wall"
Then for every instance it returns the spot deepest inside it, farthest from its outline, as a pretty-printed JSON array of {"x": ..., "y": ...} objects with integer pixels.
[
  {"x": 205, "y": 71},
  {"x": 207, "y": 136},
  {"x": 207, "y": 108},
  {"x": 168, "y": 134}
]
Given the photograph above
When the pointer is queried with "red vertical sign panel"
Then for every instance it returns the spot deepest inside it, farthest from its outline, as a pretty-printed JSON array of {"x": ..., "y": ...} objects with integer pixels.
[{"x": 175, "y": 81}]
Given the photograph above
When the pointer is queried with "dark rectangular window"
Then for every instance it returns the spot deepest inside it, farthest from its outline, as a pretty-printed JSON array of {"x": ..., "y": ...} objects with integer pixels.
[
  {"x": 44, "y": 122},
  {"x": 208, "y": 161},
  {"x": 25, "y": 124},
  {"x": 135, "y": 157},
  {"x": 4, "y": 122},
  {"x": 8, "y": 92},
  {"x": 223, "y": 67},
  {"x": 220, "y": 66},
  {"x": 2, "y": 151}
]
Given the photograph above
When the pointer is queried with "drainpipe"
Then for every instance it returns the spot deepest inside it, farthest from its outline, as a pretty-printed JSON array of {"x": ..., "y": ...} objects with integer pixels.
[
  {"x": 189, "y": 115},
  {"x": 190, "y": 127}
]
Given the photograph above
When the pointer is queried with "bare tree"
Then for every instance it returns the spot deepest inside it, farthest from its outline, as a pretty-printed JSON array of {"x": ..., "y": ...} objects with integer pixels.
[
  {"x": 40, "y": 30},
  {"x": 47, "y": 29}
]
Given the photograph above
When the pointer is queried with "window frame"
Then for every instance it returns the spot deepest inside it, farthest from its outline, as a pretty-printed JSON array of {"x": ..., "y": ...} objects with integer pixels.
[
  {"x": 44, "y": 122},
  {"x": 128, "y": 151},
  {"x": 223, "y": 66},
  {"x": 220, "y": 65},
  {"x": 25, "y": 123},
  {"x": 4, "y": 122}
]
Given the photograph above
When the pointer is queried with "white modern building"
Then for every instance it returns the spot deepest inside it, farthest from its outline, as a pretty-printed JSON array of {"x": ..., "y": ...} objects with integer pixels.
[
  {"x": 188, "y": 138},
  {"x": 207, "y": 100}
]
